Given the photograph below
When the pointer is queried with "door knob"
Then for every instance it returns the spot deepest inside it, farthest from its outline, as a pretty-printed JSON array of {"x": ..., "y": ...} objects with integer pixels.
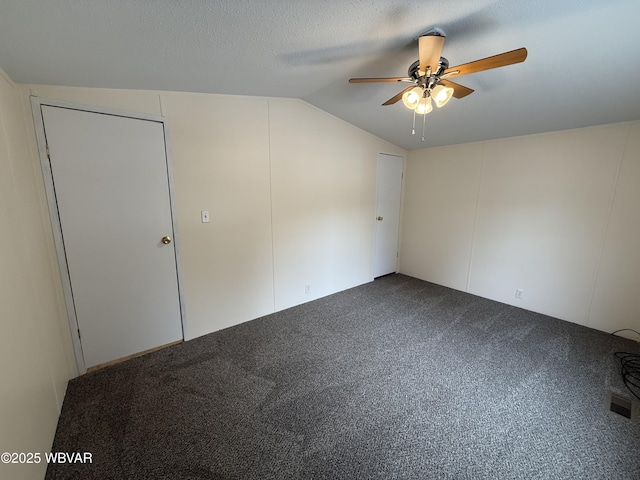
[
  {"x": 379, "y": 219},
  {"x": 166, "y": 240}
]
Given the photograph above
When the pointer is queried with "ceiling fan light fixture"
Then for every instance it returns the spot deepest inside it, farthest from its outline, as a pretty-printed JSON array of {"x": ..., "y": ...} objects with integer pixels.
[
  {"x": 429, "y": 72},
  {"x": 424, "y": 105},
  {"x": 441, "y": 95},
  {"x": 412, "y": 97}
]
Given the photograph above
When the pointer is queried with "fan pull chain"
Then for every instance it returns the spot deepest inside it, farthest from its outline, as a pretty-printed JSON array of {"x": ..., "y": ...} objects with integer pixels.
[
  {"x": 413, "y": 130},
  {"x": 424, "y": 122}
]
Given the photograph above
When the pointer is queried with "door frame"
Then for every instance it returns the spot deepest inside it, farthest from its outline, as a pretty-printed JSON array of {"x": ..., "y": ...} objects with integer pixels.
[{"x": 36, "y": 108}]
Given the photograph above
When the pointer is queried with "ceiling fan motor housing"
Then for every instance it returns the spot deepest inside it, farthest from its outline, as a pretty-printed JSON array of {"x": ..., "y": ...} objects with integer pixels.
[
  {"x": 443, "y": 64},
  {"x": 433, "y": 32}
]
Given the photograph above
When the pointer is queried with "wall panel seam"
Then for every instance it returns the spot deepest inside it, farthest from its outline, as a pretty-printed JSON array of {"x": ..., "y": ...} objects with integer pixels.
[
  {"x": 273, "y": 258},
  {"x": 161, "y": 105},
  {"x": 475, "y": 216},
  {"x": 605, "y": 233}
]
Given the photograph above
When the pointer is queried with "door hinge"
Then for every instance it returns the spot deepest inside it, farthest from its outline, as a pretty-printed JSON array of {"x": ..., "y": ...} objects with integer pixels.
[
  {"x": 47, "y": 149},
  {"x": 79, "y": 336}
]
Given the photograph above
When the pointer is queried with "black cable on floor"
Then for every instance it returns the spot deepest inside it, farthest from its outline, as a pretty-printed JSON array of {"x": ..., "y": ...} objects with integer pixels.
[
  {"x": 625, "y": 330},
  {"x": 630, "y": 366},
  {"x": 630, "y": 371}
]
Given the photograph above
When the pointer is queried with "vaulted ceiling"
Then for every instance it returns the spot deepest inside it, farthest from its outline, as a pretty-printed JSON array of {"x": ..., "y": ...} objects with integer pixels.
[{"x": 583, "y": 66}]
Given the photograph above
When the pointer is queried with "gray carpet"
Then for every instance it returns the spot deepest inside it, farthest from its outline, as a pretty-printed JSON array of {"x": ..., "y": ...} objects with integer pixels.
[{"x": 395, "y": 379}]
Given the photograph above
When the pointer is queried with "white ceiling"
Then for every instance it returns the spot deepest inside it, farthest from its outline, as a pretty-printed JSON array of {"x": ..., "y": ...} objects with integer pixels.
[{"x": 583, "y": 66}]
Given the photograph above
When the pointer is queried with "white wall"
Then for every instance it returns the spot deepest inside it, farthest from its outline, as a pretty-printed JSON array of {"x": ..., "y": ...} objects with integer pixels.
[
  {"x": 323, "y": 177},
  {"x": 221, "y": 164},
  {"x": 35, "y": 347},
  {"x": 548, "y": 214},
  {"x": 290, "y": 190},
  {"x": 439, "y": 210},
  {"x": 616, "y": 302}
]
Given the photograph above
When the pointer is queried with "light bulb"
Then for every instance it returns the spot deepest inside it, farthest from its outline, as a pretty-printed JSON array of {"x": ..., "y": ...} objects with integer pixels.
[
  {"x": 424, "y": 106},
  {"x": 412, "y": 97},
  {"x": 441, "y": 95}
]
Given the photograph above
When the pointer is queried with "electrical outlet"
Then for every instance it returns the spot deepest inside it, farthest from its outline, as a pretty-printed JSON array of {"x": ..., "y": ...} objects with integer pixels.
[
  {"x": 519, "y": 293},
  {"x": 307, "y": 289}
]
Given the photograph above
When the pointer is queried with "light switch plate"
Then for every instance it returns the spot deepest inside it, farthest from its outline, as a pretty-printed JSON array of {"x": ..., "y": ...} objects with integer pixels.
[{"x": 204, "y": 216}]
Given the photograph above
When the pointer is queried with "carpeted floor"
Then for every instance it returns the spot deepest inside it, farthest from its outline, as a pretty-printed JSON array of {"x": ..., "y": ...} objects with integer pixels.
[{"x": 395, "y": 379}]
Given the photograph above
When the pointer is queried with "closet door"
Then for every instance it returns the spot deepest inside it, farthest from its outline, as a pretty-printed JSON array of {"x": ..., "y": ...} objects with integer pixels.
[
  {"x": 389, "y": 194},
  {"x": 111, "y": 184}
]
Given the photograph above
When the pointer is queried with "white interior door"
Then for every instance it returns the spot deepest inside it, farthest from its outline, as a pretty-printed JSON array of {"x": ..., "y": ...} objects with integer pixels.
[
  {"x": 110, "y": 178},
  {"x": 389, "y": 191}
]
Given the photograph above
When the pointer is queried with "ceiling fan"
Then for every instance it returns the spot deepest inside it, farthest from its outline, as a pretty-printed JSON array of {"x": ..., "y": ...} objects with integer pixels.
[{"x": 429, "y": 76}]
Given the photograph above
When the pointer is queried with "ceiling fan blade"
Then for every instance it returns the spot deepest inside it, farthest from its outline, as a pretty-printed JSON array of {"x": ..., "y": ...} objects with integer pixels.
[
  {"x": 429, "y": 51},
  {"x": 459, "y": 91},
  {"x": 500, "y": 60},
  {"x": 394, "y": 99},
  {"x": 373, "y": 80}
]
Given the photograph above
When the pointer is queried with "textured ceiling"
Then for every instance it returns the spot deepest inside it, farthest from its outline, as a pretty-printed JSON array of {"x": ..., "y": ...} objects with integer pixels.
[{"x": 583, "y": 66}]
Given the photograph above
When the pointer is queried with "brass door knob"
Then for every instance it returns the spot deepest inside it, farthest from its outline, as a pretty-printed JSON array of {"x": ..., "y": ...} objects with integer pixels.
[
  {"x": 379, "y": 219},
  {"x": 166, "y": 240}
]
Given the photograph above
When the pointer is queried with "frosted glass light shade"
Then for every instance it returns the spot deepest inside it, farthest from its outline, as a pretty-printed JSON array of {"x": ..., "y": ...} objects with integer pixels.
[
  {"x": 441, "y": 95},
  {"x": 424, "y": 106},
  {"x": 412, "y": 97}
]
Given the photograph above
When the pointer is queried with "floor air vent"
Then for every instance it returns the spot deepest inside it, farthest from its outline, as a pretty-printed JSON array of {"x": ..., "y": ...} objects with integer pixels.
[{"x": 621, "y": 405}]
